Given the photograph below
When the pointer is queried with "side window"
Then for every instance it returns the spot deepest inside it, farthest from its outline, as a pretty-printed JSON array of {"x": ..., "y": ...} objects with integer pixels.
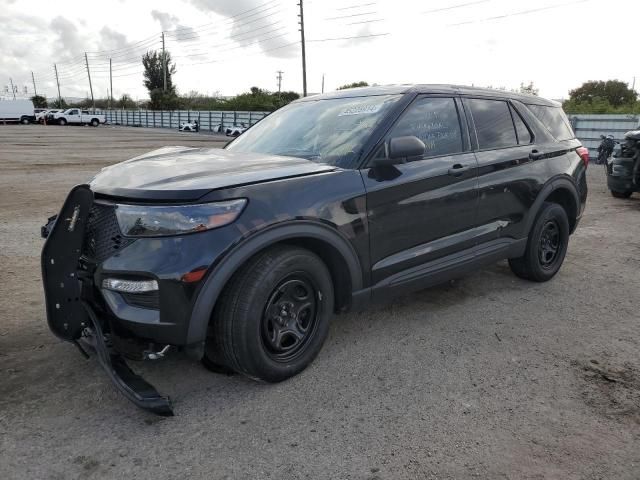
[
  {"x": 434, "y": 121},
  {"x": 524, "y": 135},
  {"x": 494, "y": 126},
  {"x": 73, "y": 112}
]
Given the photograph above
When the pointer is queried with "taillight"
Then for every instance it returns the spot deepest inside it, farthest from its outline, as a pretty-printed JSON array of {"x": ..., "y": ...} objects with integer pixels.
[{"x": 584, "y": 155}]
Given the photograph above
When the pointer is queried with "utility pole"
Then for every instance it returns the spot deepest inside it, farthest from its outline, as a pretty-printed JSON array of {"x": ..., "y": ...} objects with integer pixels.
[
  {"x": 279, "y": 77},
  {"x": 304, "y": 55},
  {"x": 35, "y": 90},
  {"x": 633, "y": 86},
  {"x": 164, "y": 65},
  {"x": 58, "y": 83},
  {"x": 13, "y": 90},
  {"x": 110, "y": 86},
  {"x": 93, "y": 103},
  {"x": 323, "y": 83}
]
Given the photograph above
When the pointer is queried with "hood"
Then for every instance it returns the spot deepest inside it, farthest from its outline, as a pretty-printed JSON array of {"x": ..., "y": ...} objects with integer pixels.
[{"x": 183, "y": 173}]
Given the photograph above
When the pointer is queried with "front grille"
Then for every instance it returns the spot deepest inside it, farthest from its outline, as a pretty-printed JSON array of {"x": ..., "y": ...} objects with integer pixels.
[{"x": 102, "y": 237}]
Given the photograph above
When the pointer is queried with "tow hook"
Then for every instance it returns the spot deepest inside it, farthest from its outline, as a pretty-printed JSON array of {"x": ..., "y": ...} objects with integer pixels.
[{"x": 148, "y": 355}]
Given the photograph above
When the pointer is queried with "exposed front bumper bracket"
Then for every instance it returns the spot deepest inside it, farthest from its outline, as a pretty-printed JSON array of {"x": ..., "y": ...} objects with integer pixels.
[{"x": 132, "y": 386}]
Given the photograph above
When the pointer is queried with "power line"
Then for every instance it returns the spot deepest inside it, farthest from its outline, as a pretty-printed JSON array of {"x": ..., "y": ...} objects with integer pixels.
[
  {"x": 353, "y": 15},
  {"x": 452, "y": 7},
  {"x": 198, "y": 35},
  {"x": 228, "y": 20},
  {"x": 349, "y": 38},
  {"x": 250, "y": 40},
  {"x": 514, "y": 14},
  {"x": 356, "y": 6}
]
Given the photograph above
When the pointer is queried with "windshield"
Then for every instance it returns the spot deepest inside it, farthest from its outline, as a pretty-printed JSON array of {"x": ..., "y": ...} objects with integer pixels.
[{"x": 331, "y": 131}]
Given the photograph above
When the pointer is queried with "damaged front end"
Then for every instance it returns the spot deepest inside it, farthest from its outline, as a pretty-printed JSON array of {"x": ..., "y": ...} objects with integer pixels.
[{"x": 73, "y": 312}]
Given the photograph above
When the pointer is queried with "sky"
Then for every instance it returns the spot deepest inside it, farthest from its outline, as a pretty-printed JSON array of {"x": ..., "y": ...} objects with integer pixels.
[{"x": 224, "y": 47}]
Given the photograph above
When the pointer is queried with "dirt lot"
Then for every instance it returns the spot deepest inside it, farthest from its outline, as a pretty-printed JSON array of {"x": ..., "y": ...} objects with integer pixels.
[{"x": 487, "y": 377}]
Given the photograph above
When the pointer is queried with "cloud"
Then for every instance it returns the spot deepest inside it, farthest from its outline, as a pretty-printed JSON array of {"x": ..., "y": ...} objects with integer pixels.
[
  {"x": 167, "y": 21},
  {"x": 112, "y": 40},
  {"x": 70, "y": 40},
  {"x": 253, "y": 22},
  {"x": 171, "y": 23}
]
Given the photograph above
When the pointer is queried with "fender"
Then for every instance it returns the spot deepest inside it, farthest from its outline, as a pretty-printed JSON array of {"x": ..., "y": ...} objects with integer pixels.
[
  {"x": 218, "y": 277},
  {"x": 552, "y": 185}
]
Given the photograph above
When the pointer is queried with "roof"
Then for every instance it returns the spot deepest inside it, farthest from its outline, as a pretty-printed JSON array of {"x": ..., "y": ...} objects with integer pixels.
[{"x": 430, "y": 88}]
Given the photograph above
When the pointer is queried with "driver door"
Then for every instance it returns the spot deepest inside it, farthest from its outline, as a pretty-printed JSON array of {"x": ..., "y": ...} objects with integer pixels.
[
  {"x": 424, "y": 210},
  {"x": 73, "y": 116}
]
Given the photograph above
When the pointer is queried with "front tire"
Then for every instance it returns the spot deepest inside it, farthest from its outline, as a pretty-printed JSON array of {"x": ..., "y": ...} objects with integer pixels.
[
  {"x": 546, "y": 245},
  {"x": 62, "y": 122},
  {"x": 625, "y": 194},
  {"x": 273, "y": 317}
]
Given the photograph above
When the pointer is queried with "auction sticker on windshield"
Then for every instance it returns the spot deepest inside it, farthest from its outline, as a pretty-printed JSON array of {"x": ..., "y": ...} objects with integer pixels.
[{"x": 361, "y": 109}]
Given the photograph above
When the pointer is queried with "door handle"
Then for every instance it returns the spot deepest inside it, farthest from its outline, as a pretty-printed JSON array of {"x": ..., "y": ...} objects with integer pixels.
[
  {"x": 535, "y": 155},
  {"x": 458, "y": 169}
]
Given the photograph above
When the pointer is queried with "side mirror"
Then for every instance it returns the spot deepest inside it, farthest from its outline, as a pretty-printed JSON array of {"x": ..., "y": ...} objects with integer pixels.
[{"x": 401, "y": 148}]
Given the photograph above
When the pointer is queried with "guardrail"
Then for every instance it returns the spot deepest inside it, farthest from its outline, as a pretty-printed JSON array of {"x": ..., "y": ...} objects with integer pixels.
[{"x": 208, "y": 120}]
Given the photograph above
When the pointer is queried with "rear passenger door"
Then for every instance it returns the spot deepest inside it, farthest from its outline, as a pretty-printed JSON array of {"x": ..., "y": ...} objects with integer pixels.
[{"x": 507, "y": 173}]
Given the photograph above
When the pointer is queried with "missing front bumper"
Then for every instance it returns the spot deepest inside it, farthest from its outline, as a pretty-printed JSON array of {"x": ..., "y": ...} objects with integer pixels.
[{"x": 132, "y": 386}]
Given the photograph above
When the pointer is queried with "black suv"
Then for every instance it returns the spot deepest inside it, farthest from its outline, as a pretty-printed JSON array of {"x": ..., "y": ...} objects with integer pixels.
[{"x": 240, "y": 256}]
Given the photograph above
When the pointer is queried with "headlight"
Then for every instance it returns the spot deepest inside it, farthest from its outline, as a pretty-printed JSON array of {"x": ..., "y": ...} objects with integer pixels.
[{"x": 161, "y": 220}]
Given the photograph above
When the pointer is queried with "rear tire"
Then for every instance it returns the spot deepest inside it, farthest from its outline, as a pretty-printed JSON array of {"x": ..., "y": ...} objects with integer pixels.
[
  {"x": 24, "y": 121},
  {"x": 546, "y": 245},
  {"x": 625, "y": 194},
  {"x": 95, "y": 122},
  {"x": 273, "y": 316}
]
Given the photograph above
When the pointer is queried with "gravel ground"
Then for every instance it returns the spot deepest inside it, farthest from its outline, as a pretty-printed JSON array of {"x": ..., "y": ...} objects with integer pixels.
[{"x": 486, "y": 377}]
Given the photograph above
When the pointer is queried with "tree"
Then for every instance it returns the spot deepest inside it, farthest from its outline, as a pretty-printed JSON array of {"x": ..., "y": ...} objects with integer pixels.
[
  {"x": 125, "y": 102},
  {"x": 59, "y": 103},
  {"x": 353, "y": 85},
  {"x": 615, "y": 92},
  {"x": 154, "y": 80},
  {"x": 529, "y": 89},
  {"x": 39, "y": 101}
]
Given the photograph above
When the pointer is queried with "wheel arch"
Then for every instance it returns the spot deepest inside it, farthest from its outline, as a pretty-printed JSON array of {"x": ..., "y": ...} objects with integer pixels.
[
  {"x": 563, "y": 192},
  {"x": 326, "y": 242}
]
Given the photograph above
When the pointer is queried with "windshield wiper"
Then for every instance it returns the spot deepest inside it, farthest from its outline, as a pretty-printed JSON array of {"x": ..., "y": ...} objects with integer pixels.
[{"x": 302, "y": 153}]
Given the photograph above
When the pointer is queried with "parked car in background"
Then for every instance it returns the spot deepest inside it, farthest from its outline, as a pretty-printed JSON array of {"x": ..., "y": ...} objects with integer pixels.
[
  {"x": 235, "y": 130},
  {"x": 240, "y": 256},
  {"x": 192, "y": 126},
  {"x": 43, "y": 116},
  {"x": 38, "y": 111},
  {"x": 20, "y": 111},
  {"x": 77, "y": 116}
]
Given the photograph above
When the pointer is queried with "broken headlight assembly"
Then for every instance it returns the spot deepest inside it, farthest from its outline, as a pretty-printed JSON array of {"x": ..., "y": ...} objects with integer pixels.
[{"x": 163, "y": 220}]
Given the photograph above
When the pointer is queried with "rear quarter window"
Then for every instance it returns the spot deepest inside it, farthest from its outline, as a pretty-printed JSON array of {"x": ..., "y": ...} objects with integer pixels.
[{"x": 555, "y": 120}]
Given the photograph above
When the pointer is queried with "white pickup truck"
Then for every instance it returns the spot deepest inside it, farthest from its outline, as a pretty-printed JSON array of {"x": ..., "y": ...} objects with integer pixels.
[{"x": 78, "y": 117}]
